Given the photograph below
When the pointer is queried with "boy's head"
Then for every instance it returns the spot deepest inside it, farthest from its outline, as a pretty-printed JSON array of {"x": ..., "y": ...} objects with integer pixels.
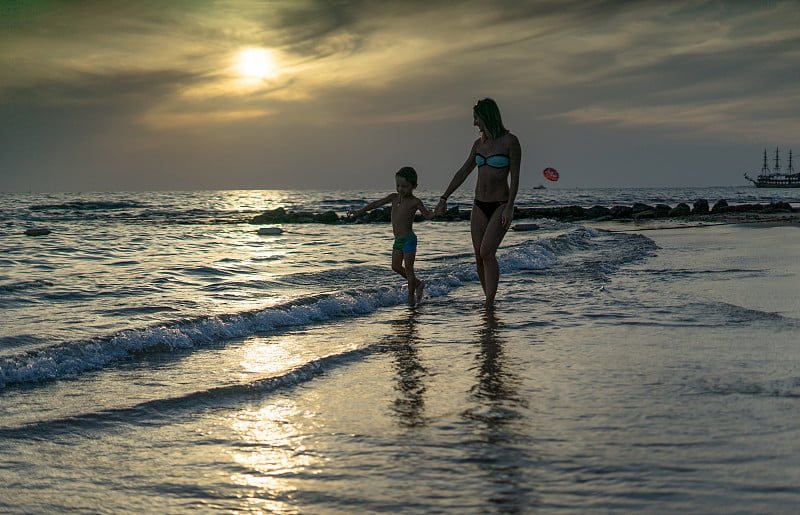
[{"x": 409, "y": 174}]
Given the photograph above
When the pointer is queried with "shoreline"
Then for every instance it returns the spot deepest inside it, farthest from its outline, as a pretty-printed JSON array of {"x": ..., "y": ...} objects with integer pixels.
[
  {"x": 753, "y": 218},
  {"x": 749, "y": 220}
]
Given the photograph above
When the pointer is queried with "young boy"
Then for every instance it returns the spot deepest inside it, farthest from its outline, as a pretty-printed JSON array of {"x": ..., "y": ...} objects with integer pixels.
[{"x": 404, "y": 206}]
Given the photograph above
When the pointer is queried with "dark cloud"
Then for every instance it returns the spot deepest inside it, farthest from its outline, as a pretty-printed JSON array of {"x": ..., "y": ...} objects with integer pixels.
[{"x": 128, "y": 90}]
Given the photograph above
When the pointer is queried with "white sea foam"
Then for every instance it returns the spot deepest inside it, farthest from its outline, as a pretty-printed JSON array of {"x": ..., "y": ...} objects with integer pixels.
[{"x": 73, "y": 358}]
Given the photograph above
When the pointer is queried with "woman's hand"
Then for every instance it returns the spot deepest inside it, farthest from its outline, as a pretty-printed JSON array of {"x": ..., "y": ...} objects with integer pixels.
[
  {"x": 507, "y": 215},
  {"x": 441, "y": 208}
]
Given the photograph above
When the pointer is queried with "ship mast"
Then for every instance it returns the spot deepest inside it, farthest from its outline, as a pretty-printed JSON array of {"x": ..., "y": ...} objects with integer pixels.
[
  {"x": 765, "y": 167},
  {"x": 777, "y": 169},
  {"x": 790, "y": 171}
]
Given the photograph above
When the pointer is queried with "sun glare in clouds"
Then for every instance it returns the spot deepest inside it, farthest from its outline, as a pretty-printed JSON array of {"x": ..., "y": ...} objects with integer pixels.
[{"x": 256, "y": 64}]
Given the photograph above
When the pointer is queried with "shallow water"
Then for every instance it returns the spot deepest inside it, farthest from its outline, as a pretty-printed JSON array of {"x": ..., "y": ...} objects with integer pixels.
[{"x": 619, "y": 373}]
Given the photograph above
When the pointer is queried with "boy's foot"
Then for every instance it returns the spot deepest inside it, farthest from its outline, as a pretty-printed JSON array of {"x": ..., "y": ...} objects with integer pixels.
[{"x": 419, "y": 290}]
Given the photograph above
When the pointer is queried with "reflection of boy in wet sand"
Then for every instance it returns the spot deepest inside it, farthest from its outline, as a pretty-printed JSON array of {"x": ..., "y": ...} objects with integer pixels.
[{"x": 404, "y": 207}]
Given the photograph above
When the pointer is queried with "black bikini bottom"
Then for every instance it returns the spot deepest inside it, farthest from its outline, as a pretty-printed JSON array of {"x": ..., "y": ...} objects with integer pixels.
[{"x": 489, "y": 208}]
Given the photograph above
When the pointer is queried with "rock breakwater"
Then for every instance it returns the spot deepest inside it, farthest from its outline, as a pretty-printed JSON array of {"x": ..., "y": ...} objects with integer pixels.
[{"x": 636, "y": 211}]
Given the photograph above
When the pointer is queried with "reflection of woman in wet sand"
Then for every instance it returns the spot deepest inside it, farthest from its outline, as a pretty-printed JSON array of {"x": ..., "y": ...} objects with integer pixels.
[
  {"x": 499, "y": 423},
  {"x": 497, "y": 155},
  {"x": 495, "y": 383}
]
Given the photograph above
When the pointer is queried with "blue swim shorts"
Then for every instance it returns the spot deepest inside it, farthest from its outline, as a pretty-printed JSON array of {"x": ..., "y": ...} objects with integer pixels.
[{"x": 406, "y": 243}]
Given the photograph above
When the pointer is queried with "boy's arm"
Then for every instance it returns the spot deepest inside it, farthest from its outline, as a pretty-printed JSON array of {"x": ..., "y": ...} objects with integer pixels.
[
  {"x": 372, "y": 205},
  {"x": 424, "y": 210}
]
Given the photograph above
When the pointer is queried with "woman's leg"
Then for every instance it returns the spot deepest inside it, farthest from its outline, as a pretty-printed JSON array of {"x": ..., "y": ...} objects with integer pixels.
[
  {"x": 477, "y": 225},
  {"x": 492, "y": 237}
]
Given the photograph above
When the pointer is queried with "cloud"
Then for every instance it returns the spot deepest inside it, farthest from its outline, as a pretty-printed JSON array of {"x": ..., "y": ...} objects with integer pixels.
[
  {"x": 695, "y": 69},
  {"x": 154, "y": 75},
  {"x": 603, "y": 54}
]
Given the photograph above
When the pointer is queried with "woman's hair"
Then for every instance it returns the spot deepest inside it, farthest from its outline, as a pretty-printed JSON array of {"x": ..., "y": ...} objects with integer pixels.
[
  {"x": 408, "y": 174},
  {"x": 486, "y": 109}
]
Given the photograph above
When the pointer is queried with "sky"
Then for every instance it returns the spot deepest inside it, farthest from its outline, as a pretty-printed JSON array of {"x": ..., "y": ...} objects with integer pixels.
[{"x": 113, "y": 95}]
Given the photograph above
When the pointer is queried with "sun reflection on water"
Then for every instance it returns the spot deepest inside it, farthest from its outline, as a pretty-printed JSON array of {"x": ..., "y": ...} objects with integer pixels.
[
  {"x": 272, "y": 452},
  {"x": 270, "y": 358},
  {"x": 246, "y": 200}
]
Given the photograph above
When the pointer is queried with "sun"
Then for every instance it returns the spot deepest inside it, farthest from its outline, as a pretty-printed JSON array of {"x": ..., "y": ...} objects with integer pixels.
[{"x": 256, "y": 64}]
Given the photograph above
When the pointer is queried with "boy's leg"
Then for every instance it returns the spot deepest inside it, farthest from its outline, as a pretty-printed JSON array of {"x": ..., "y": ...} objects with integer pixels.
[
  {"x": 415, "y": 286},
  {"x": 397, "y": 262},
  {"x": 400, "y": 264}
]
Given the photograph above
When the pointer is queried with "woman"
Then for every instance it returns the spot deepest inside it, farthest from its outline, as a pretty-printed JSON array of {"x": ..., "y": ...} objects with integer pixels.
[{"x": 497, "y": 155}]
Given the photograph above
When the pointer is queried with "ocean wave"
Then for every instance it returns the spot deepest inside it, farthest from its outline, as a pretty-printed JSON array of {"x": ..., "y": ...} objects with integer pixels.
[
  {"x": 204, "y": 271},
  {"x": 789, "y": 387},
  {"x": 136, "y": 310},
  {"x": 89, "y": 205},
  {"x": 257, "y": 284},
  {"x": 725, "y": 314},
  {"x": 130, "y": 211},
  {"x": 165, "y": 408},
  {"x": 594, "y": 252},
  {"x": 685, "y": 272},
  {"x": 70, "y": 359},
  {"x": 19, "y": 340},
  {"x": 24, "y": 285}
]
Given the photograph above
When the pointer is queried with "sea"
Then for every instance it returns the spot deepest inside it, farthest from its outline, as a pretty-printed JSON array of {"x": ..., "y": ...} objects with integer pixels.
[{"x": 158, "y": 354}]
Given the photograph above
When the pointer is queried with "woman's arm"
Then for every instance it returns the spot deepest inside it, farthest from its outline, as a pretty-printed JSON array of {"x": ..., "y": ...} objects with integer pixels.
[
  {"x": 458, "y": 179},
  {"x": 372, "y": 205},
  {"x": 515, "y": 156}
]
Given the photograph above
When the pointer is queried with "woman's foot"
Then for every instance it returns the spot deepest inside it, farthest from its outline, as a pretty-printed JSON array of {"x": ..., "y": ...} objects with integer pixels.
[{"x": 419, "y": 291}]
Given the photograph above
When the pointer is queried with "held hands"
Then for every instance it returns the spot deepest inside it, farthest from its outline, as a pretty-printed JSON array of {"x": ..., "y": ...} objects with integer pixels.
[{"x": 441, "y": 208}]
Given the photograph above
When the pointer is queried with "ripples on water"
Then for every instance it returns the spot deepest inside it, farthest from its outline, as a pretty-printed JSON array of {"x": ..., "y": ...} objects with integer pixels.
[{"x": 163, "y": 357}]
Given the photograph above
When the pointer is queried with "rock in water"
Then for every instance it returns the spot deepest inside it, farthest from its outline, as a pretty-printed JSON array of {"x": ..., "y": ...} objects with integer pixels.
[{"x": 41, "y": 231}]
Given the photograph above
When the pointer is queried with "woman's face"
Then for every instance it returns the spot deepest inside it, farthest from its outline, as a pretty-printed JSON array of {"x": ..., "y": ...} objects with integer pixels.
[{"x": 477, "y": 122}]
